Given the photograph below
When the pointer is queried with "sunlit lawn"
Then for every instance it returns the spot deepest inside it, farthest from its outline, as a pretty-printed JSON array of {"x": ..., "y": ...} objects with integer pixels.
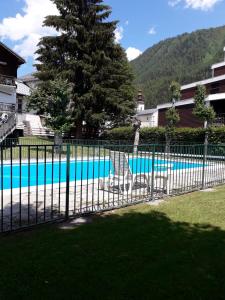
[
  {"x": 172, "y": 251},
  {"x": 41, "y": 148}
]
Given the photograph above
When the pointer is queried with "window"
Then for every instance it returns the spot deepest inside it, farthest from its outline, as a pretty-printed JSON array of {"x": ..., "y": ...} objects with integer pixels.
[
  {"x": 215, "y": 88},
  {"x": 20, "y": 105}
]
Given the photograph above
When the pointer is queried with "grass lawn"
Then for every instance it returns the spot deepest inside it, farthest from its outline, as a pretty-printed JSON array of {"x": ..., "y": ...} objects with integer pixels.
[
  {"x": 75, "y": 150},
  {"x": 173, "y": 251}
]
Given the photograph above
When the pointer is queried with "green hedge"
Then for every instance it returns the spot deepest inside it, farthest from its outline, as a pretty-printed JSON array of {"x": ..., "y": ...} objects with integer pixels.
[
  {"x": 157, "y": 135},
  {"x": 119, "y": 134}
]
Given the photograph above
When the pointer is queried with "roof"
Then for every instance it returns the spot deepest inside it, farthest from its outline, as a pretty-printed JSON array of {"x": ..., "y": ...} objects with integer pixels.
[
  {"x": 22, "y": 88},
  {"x": 203, "y": 82},
  {"x": 219, "y": 65},
  {"x": 19, "y": 58},
  {"x": 28, "y": 77},
  {"x": 213, "y": 97},
  {"x": 147, "y": 112},
  {"x": 178, "y": 103}
]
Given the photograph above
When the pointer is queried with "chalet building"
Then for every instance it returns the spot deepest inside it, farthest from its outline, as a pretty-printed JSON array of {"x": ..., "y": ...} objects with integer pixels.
[
  {"x": 30, "y": 80},
  {"x": 215, "y": 87},
  {"x": 14, "y": 118},
  {"x": 9, "y": 64}
]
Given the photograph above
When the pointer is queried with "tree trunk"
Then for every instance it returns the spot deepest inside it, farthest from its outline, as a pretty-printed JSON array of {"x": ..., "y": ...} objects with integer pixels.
[
  {"x": 206, "y": 142},
  {"x": 78, "y": 131},
  {"x": 168, "y": 142},
  {"x": 58, "y": 141},
  {"x": 136, "y": 140}
]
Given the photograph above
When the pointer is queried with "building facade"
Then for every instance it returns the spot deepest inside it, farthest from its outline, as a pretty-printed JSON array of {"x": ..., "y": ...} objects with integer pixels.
[
  {"x": 215, "y": 87},
  {"x": 13, "y": 98},
  {"x": 9, "y": 64}
]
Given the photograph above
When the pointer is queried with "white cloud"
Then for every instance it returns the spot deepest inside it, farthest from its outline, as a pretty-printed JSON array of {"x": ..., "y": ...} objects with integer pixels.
[
  {"x": 26, "y": 29},
  {"x": 133, "y": 53},
  {"x": 127, "y": 22},
  {"x": 119, "y": 34},
  {"x": 28, "y": 46},
  {"x": 174, "y": 2},
  {"x": 196, "y": 4},
  {"x": 152, "y": 31}
]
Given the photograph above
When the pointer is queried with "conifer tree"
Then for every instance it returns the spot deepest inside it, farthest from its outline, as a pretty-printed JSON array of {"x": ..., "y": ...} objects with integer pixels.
[
  {"x": 203, "y": 111},
  {"x": 84, "y": 53},
  {"x": 172, "y": 116}
]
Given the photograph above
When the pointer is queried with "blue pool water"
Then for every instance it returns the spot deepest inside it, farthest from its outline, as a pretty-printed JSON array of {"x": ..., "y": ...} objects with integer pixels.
[{"x": 38, "y": 174}]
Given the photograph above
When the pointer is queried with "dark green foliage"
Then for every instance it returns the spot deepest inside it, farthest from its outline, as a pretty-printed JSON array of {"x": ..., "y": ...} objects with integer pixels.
[
  {"x": 172, "y": 115},
  {"x": 53, "y": 100},
  {"x": 86, "y": 55},
  {"x": 185, "y": 58},
  {"x": 157, "y": 135},
  {"x": 175, "y": 92},
  {"x": 152, "y": 135},
  {"x": 202, "y": 111},
  {"x": 119, "y": 134}
]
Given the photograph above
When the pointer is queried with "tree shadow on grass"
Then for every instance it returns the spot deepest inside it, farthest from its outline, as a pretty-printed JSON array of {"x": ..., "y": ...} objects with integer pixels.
[{"x": 133, "y": 256}]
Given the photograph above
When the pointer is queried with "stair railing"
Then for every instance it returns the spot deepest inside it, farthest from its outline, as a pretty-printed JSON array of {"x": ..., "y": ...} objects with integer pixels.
[{"x": 6, "y": 128}]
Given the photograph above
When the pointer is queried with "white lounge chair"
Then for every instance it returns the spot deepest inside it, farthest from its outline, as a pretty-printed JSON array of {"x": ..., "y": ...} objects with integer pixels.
[{"x": 122, "y": 178}]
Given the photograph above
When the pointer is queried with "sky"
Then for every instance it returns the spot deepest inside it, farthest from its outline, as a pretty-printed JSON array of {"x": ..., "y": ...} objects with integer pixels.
[{"x": 142, "y": 23}]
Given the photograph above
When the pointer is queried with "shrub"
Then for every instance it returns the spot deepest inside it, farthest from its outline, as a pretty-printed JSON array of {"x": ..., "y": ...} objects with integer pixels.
[
  {"x": 122, "y": 133},
  {"x": 157, "y": 135},
  {"x": 217, "y": 135},
  {"x": 152, "y": 135},
  {"x": 189, "y": 135}
]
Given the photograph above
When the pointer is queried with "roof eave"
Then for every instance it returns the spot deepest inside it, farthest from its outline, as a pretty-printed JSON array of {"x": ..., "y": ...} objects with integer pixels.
[{"x": 20, "y": 59}]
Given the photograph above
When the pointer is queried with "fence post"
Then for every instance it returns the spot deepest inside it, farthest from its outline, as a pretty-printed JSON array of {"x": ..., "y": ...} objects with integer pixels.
[
  {"x": 203, "y": 167},
  {"x": 153, "y": 174},
  {"x": 67, "y": 181}
]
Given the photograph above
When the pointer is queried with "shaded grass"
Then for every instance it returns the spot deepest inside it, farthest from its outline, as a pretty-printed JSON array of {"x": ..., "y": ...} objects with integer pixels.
[{"x": 173, "y": 251}]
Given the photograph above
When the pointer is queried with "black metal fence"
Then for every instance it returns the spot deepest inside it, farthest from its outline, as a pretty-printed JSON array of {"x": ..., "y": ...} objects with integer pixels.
[{"x": 43, "y": 183}]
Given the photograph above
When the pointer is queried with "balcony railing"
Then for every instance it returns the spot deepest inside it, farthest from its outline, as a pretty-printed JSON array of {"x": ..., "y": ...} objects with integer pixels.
[
  {"x": 7, "y": 80},
  {"x": 219, "y": 120},
  {"x": 6, "y": 107}
]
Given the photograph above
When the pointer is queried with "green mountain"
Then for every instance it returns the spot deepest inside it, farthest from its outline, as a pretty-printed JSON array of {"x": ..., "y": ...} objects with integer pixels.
[{"x": 185, "y": 58}]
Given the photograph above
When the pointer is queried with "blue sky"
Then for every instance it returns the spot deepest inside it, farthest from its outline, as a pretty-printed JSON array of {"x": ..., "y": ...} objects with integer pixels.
[{"x": 142, "y": 23}]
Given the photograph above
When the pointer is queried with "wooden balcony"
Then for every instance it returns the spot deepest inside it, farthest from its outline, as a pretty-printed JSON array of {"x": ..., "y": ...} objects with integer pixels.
[
  {"x": 7, "y": 107},
  {"x": 7, "y": 80}
]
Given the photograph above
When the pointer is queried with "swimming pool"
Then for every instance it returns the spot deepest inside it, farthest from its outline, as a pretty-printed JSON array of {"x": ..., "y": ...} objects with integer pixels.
[{"x": 34, "y": 174}]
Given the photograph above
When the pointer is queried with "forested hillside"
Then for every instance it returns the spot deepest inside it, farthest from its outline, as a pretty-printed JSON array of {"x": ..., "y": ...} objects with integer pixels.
[{"x": 185, "y": 58}]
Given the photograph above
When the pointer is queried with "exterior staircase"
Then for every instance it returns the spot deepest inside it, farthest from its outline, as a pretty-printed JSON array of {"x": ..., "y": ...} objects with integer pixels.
[{"x": 32, "y": 126}]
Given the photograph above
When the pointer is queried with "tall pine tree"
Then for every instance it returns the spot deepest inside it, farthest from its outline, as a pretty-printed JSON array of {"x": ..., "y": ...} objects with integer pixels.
[{"x": 85, "y": 54}]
